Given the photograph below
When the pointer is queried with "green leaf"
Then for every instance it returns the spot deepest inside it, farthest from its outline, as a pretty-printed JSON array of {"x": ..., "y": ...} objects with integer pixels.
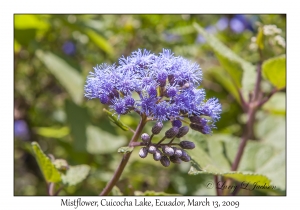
[
  {"x": 276, "y": 104},
  {"x": 221, "y": 77},
  {"x": 260, "y": 38},
  {"x": 75, "y": 174},
  {"x": 69, "y": 77},
  {"x": 153, "y": 193},
  {"x": 52, "y": 132},
  {"x": 61, "y": 164},
  {"x": 241, "y": 71},
  {"x": 125, "y": 150},
  {"x": 77, "y": 118},
  {"x": 30, "y": 22},
  {"x": 48, "y": 169},
  {"x": 274, "y": 70},
  {"x": 102, "y": 142},
  {"x": 260, "y": 162},
  {"x": 116, "y": 191},
  {"x": 99, "y": 41},
  {"x": 115, "y": 120}
]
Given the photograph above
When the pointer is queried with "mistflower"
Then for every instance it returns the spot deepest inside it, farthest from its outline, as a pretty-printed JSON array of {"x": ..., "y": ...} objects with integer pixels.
[{"x": 161, "y": 87}]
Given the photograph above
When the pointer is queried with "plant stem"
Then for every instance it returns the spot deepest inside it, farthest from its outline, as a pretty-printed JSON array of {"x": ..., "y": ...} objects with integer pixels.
[
  {"x": 216, "y": 178},
  {"x": 51, "y": 188},
  {"x": 252, "y": 107},
  {"x": 125, "y": 158}
]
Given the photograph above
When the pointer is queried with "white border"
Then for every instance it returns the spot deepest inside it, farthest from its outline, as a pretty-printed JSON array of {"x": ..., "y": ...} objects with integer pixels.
[{"x": 8, "y": 201}]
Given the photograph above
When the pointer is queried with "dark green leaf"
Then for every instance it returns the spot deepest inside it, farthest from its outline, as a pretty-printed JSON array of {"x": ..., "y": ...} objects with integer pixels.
[{"x": 77, "y": 118}]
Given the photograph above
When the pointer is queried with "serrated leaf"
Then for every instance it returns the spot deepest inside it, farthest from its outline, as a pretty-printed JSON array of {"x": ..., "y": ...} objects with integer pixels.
[
  {"x": 153, "y": 193},
  {"x": 75, "y": 174},
  {"x": 102, "y": 142},
  {"x": 115, "y": 120},
  {"x": 274, "y": 70},
  {"x": 125, "y": 150},
  {"x": 259, "y": 162},
  {"x": 48, "y": 169},
  {"x": 241, "y": 71},
  {"x": 69, "y": 77}
]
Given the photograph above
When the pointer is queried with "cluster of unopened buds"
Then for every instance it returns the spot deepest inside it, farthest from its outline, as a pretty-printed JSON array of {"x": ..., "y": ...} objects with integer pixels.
[
  {"x": 167, "y": 152},
  {"x": 159, "y": 88}
]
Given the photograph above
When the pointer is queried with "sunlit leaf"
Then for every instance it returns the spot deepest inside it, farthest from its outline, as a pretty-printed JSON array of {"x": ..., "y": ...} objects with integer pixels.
[
  {"x": 274, "y": 70},
  {"x": 48, "y": 169},
  {"x": 216, "y": 154},
  {"x": 260, "y": 38},
  {"x": 99, "y": 41},
  {"x": 29, "y": 21},
  {"x": 52, "y": 132},
  {"x": 75, "y": 174},
  {"x": 276, "y": 104}
]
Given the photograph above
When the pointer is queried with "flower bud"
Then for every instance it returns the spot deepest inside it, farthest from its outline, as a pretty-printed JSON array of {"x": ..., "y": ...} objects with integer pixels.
[
  {"x": 177, "y": 123},
  {"x": 203, "y": 129},
  {"x": 185, "y": 157},
  {"x": 172, "y": 132},
  {"x": 175, "y": 159},
  {"x": 168, "y": 150},
  {"x": 157, "y": 155},
  {"x": 152, "y": 149},
  {"x": 187, "y": 145},
  {"x": 165, "y": 161},
  {"x": 198, "y": 120},
  {"x": 143, "y": 152},
  {"x": 177, "y": 152},
  {"x": 182, "y": 131},
  {"x": 145, "y": 138},
  {"x": 157, "y": 128}
]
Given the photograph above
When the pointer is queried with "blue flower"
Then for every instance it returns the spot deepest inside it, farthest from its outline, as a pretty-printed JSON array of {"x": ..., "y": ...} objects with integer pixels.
[{"x": 166, "y": 85}]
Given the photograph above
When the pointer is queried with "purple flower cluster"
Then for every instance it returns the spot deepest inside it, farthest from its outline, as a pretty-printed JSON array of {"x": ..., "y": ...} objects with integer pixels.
[{"x": 163, "y": 87}]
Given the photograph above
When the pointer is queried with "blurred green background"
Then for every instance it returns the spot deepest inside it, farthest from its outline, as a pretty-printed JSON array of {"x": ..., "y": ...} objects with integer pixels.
[{"x": 53, "y": 54}]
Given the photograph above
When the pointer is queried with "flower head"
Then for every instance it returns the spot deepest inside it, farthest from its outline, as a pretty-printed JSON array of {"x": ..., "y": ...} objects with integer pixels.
[{"x": 166, "y": 85}]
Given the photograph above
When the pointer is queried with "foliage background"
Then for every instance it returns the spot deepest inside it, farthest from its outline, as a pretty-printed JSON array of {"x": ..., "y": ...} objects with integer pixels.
[{"x": 53, "y": 55}]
